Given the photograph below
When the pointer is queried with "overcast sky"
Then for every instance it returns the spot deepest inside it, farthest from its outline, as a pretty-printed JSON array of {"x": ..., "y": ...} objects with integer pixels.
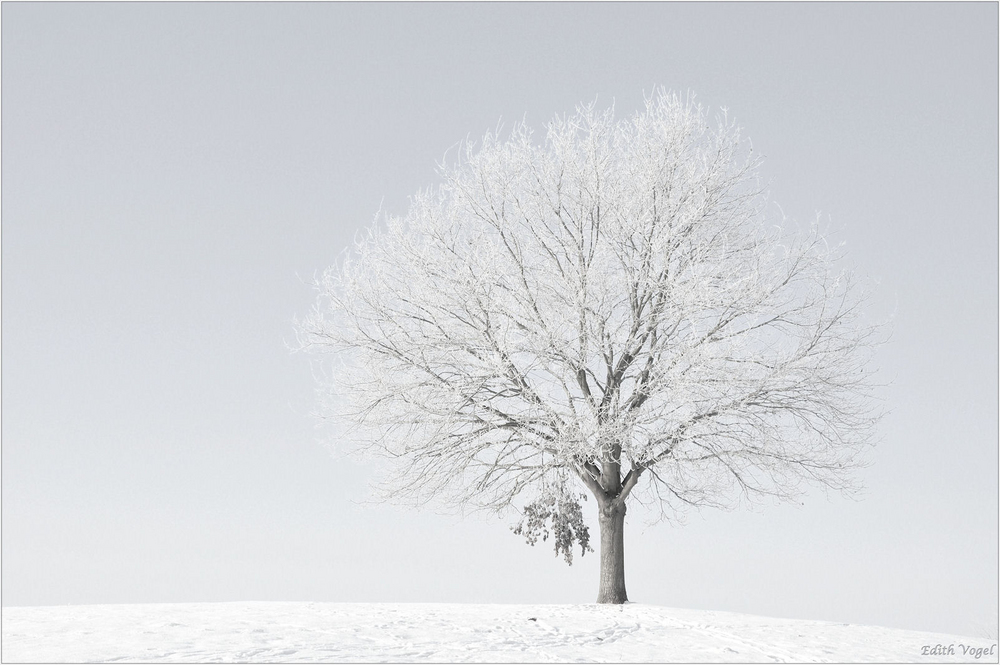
[{"x": 174, "y": 175}]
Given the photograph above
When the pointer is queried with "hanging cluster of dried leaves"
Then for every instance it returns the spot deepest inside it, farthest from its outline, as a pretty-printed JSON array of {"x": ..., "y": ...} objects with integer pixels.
[{"x": 567, "y": 525}]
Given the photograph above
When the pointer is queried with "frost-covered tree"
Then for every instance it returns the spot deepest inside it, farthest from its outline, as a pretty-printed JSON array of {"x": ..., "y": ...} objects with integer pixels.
[{"x": 607, "y": 310}]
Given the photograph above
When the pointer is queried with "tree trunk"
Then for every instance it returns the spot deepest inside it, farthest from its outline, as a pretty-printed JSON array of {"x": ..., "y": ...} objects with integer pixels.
[{"x": 612, "y": 521}]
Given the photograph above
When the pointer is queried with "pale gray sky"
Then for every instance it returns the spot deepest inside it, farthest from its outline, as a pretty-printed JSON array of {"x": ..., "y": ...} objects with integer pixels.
[{"x": 174, "y": 174}]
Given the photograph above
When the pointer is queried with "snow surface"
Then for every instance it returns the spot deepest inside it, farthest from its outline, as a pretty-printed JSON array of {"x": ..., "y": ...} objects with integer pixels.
[{"x": 409, "y": 632}]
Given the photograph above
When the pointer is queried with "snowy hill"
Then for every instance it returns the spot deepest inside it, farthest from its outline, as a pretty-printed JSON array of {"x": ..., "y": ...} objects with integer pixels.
[{"x": 397, "y": 632}]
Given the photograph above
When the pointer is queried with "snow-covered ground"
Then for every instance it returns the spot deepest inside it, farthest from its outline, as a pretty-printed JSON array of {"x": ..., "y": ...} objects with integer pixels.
[{"x": 398, "y": 632}]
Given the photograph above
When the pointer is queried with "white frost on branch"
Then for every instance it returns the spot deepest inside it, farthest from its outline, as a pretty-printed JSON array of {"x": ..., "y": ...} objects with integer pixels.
[{"x": 611, "y": 300}]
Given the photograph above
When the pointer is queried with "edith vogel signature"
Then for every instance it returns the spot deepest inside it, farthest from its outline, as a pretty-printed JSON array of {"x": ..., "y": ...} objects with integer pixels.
[{"x": 949, "y": 650}]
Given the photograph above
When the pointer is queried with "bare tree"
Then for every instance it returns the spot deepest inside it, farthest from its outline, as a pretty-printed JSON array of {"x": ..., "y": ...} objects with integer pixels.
[{"x": 606, "y": 310}]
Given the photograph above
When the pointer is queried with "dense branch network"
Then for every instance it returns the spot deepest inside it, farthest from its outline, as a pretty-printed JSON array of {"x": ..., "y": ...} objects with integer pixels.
[{"x": 609, "y": 304}]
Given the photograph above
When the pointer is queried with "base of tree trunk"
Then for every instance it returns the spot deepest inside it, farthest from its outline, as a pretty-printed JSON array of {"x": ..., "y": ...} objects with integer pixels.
[
  {"x": 612, "y": 522},
  {"x": 612, "y": 599}
]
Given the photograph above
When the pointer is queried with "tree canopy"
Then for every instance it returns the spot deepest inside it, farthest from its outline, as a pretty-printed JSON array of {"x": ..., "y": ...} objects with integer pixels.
[{"x": 608, "y": 307}]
